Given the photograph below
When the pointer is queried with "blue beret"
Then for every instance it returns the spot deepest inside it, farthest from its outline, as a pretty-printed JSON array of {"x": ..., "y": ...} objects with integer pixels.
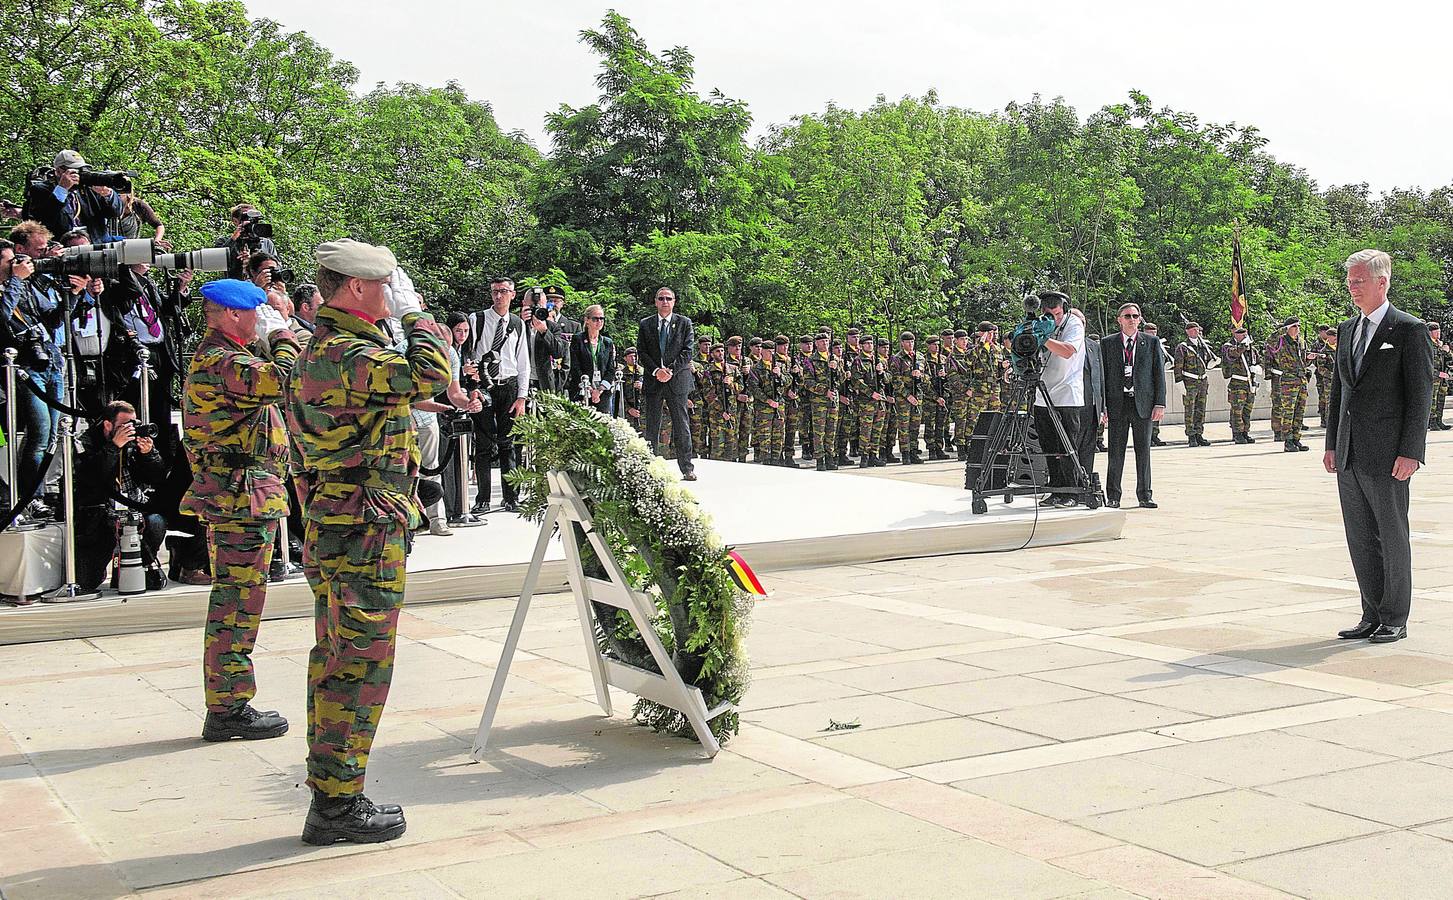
[{"x": 234, "y": 294}]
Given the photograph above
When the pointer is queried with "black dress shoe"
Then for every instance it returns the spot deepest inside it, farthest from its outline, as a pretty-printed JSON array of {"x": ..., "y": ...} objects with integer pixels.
[
  {"x": 510, "y": 506},
  {"x": 1113, "y": 504},
  {"x": 353, "y": 819},
  {"x": 688, "y": 476},
  {"x": 480, "y": 507},
  {"x": 1362, "y": 630},
  {"x": 1149, "y": 504},
  {"x": 246, "y": 723},
  {"x": 1386, "y": 634}
]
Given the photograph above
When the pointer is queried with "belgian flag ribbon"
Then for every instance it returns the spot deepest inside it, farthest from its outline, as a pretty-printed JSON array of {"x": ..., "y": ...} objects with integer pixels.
[
  {"x": 743, "y": 575},
  {"x": 1238, "y": 283}
]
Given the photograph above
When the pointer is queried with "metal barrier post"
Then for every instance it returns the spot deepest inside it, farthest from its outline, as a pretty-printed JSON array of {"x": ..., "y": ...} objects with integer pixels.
[
  {"x": 11, "y": 438},
  {"x": 143, "y": 375},
  {"x": 462, "y": 457},
  {"x": 65, "y": 429}
]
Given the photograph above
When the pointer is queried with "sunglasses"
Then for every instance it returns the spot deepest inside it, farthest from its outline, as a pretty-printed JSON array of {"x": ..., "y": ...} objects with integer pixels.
[
  {"x": 1130, "y": 315},
  {"x": 595, "y": 318}
]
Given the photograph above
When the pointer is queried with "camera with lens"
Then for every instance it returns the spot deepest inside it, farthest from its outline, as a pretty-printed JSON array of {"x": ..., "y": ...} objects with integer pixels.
[
  {"x": 144, "y": 430},
  {"x": 116, "y": 180},
  {"x": 541, "y": 313},
  {"x": 1029, "y": 337},
  {"x": 281, "y": 276},
  {"x": 34, "y": 345},
  {"x": 254, "y": 229}
]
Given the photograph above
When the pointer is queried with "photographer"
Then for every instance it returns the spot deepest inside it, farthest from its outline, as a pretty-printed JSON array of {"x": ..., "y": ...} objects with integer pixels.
[
  {"x": 1064, "y": 377},
  {"x": 592, "y": 363},
  {"x": 57, "y": 200},
  {"x": 464, "y": 377},
  {"x": 250, "y": 234},
  {"x": 119, "y": 456},
  {"x": 264, "y": 269},
  {"x": 31, "y": 311},
  {"x": 499, "y": 348},
  {"x": 549, "y": 345},
  {"x": 136, "y": 212}
]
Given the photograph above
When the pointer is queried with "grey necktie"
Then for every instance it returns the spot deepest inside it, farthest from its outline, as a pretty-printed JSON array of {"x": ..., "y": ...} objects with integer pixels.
[{"x": 1359, "y": 344}]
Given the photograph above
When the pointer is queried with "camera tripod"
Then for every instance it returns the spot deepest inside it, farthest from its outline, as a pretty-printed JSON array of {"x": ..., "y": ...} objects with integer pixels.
[{"x": 999, "y": 463}]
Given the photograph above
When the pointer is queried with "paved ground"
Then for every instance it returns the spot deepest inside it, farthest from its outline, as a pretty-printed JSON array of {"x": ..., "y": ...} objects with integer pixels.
[{"x": 1159, "y": 716}]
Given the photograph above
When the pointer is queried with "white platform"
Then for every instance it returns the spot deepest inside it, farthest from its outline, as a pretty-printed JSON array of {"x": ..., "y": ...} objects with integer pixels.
[{"x": 776, "y": 518}]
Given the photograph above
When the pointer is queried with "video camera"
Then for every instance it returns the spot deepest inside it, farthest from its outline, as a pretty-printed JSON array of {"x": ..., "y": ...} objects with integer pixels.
[
  {"x": 454, "y": 424},
  {"x": 1027, "y": 341},
  {"x": 253, "y": 229},
  {"x": 106, "y": 260}
]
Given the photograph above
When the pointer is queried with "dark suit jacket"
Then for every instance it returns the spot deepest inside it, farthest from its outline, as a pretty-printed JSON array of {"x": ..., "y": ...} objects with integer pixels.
[
  {"x": 582, "y": 361},
  {"x": 1095, "y": 384},
  {"x": 1148, "y": 374},
  {"x": 679, "y": 348},
  {"x": 1383, "y": 412}
]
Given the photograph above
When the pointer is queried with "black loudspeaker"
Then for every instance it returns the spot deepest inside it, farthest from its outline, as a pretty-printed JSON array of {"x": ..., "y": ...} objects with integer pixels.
[{"x": 978, "y": 441}]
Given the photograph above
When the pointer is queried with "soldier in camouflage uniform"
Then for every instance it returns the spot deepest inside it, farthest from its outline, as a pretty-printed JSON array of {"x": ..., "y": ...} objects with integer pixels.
[
  {"x": 768, "y": 384},
  {"x": 887, "y": 426},
  {"x": 237, "y": 447},
  {"x": 1193, "y": 363},
  {"x": 1238, "y": 358},
  {"x": 935, "y": 403},
  {"x": 721, "y": 404},
  {"x": 956, "y": 388},
  {"x": 1323, "y": 357},
  {"x": 799, "y": 421},
  {"x": 1273, "y": 380},
  {"x": 847, "y": 426},
  {"x": 821, "y": 379},
  {"x": 696, "y": 399},
  {"x": 909, "y": 390},
  {"x": 861, "y": 379},
  {"x": 348, "y": 412},
  {"x": 1289, "y": 357},
  {"x": 744, "y": 399},
  {"x": 631, "y": 384},
  {"x": 1442, "y": 373},
  {"x": 1154, "y": 331}
]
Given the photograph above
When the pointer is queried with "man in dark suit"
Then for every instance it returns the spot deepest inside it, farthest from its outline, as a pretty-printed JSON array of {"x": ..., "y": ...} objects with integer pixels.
[
  {"x": 1094, "y": 406},
  {"x": 665, "y": 343},
  {"x": 1377, "y": 430},
  {"x": 1134, "y": 370}
]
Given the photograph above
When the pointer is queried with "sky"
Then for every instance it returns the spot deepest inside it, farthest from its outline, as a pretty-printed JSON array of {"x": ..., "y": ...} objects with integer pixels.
[{"x": 1348, "y": 92}]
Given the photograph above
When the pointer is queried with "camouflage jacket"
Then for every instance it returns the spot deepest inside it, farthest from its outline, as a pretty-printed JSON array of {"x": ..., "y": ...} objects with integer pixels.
[
  {"x": 821, "y": 374},
  {"x": 631, "y": 387},
  {"x": 1237, "y": 360},
  {"x": 956, "y": 373},
  {"x": 769, "y": 382},
  {"x": 1323, "y": 357},
  {"x": 1190, "y": 363},
  {"x": 902, "y": 367},
  {"x": 1288, "y": 356},
  {"x": 233, "y": 428},
  {"x": 348, "y": 412}
]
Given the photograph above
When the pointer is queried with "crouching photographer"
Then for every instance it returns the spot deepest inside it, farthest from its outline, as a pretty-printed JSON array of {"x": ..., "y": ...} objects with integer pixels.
[{"x": 118, "y": 457}]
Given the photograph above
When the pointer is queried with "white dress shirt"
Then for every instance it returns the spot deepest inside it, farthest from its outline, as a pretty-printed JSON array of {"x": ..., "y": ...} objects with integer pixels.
[
  {"x": 514, "y": 354},
  {"x": 1065, "y": 378},
  {"x": 1374, "y": 320}
]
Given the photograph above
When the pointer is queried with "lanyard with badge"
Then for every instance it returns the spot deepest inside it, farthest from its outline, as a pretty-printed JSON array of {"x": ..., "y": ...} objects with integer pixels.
[{"x": 1130, "y": 366}]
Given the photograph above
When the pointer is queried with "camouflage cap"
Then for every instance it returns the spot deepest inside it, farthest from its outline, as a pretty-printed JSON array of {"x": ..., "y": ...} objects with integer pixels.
[
  {"x": 356, "y": 259},
  {"x": 703, "y": 339},
  {"x": 755, "y": 342},
  {"x": 718, "y": 346},
  {"x": 804, "y": 339},
  {"x": 822, "y": 336},
  {"x": 946, "y": 332},
  {"x": 869, "y": 339}
]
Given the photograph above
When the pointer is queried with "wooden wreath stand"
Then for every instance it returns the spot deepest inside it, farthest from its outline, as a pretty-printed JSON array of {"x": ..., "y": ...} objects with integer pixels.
[{"x": 567, "y": 506}]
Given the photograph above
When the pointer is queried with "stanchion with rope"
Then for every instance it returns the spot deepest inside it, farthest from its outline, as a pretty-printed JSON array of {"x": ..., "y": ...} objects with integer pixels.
[{"x": 70, "y": 592}]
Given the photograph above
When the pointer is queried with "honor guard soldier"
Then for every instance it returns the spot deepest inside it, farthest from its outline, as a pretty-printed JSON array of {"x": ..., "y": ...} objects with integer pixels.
[
  {"x": 696, "y": 400},
  {"x": 935, "y": 403},
  {"x": 1442, "y": 372},
  {"x": 632, "y": 381},
  {"x": 1289, "y": 360},
  {"x": 906, "y": 369},
  {"x": 1273, "y": 380},
  {"x": 886, "y": 430},
  {"x": 1153, "y": 330},
  {"x": 1194, "y": 361},
  {"x": 821, "y": 379},
  {"x": 744, "y": 398},
  {"x": 847, "y": 423},
  {"x": 348, "y": 411},
  {"x": 769, "y": 382},
  {"x": 721, "y": 405},
  {"x": 1323, "y": 357},
  {"x": 237, "y": 447},
  {"x": 1238, "y": 363},
  {"x": 956, "y": 389},
  {"x": 799, "y": 423}
]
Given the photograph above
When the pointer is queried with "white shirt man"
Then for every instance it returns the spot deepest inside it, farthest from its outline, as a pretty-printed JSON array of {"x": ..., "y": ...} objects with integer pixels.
[{"x": 1064, "y": 376}]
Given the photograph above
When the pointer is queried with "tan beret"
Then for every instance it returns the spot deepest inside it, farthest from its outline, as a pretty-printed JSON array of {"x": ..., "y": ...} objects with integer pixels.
[{"x": 356, "y": 259}]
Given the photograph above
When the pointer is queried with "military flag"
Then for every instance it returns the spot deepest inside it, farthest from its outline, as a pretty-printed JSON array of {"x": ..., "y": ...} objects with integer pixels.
[{"x": 1238, "y": 283}]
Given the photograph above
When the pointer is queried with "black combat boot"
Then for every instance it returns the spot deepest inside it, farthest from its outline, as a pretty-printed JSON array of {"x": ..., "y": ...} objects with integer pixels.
[
  {"x": 843, "y": 460},
  {"x": 354, "y": 819},
  {"x": 866, "y": 462},
  {"x": 822, "y": 465},
  {"x": 1289, "y": 446},
  {"x": 787, "y": 462},
  {"x": 963, "y": 454},
  {"x": 1247, "y": 438},
  {"x": 246, "y": 723},
  {"x": 831, "y": 464},
  {"x": 1300, "y": 446},
  {"x": 887, "y": 457}
]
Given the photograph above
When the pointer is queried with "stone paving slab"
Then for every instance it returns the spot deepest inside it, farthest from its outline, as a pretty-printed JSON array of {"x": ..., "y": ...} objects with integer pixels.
[{"x": 1165, "y": 715}]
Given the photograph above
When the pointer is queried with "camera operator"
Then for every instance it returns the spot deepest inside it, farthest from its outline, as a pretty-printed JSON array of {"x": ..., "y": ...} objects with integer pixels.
[
  {"x": 1064, "y": 377},
  {"x": 58, "y": 201},
  {"x": 32, "y": 311},
  {"x": 147, "y": 317},
  {"x": 499, "y": 347},
  {"x": 549, "y": 345},
  {"x": 249, "y": 234},
  {"x": 117, "y": 455},
  {"x": 592, "y": 363}
]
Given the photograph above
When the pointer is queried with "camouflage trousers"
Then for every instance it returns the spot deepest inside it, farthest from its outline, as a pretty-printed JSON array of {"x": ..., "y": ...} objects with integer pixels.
[
  {"x": 356, "y": 572},
  {"x": 240, "y": 553},
  {"x": 869, "y": 434},
  {"x": 723, "y": 430},
  {"x": 847, "y": 426},
  {"x": 1324, "y": 387},
  {"x": 1239, "y": 399},
  {"x": 799, "y": 428},
  {"x": 910, "y": 421},
  {"x": 824, "y": 426},
  {"x": 1195, "y": 409},
  {"x": 1440, "y": 397},
  {"x": 769, "y": 432},
  {"x": 958, "y": 414},
  {"x": 699, "y": 430},
  {"x": 744, "y": 428},
  {"x": 885, "y": 428},
  {"x": 1274, "y": 384},
  {"x": 935, "y": 424},
  {"x": 1292, "y": 394}
]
